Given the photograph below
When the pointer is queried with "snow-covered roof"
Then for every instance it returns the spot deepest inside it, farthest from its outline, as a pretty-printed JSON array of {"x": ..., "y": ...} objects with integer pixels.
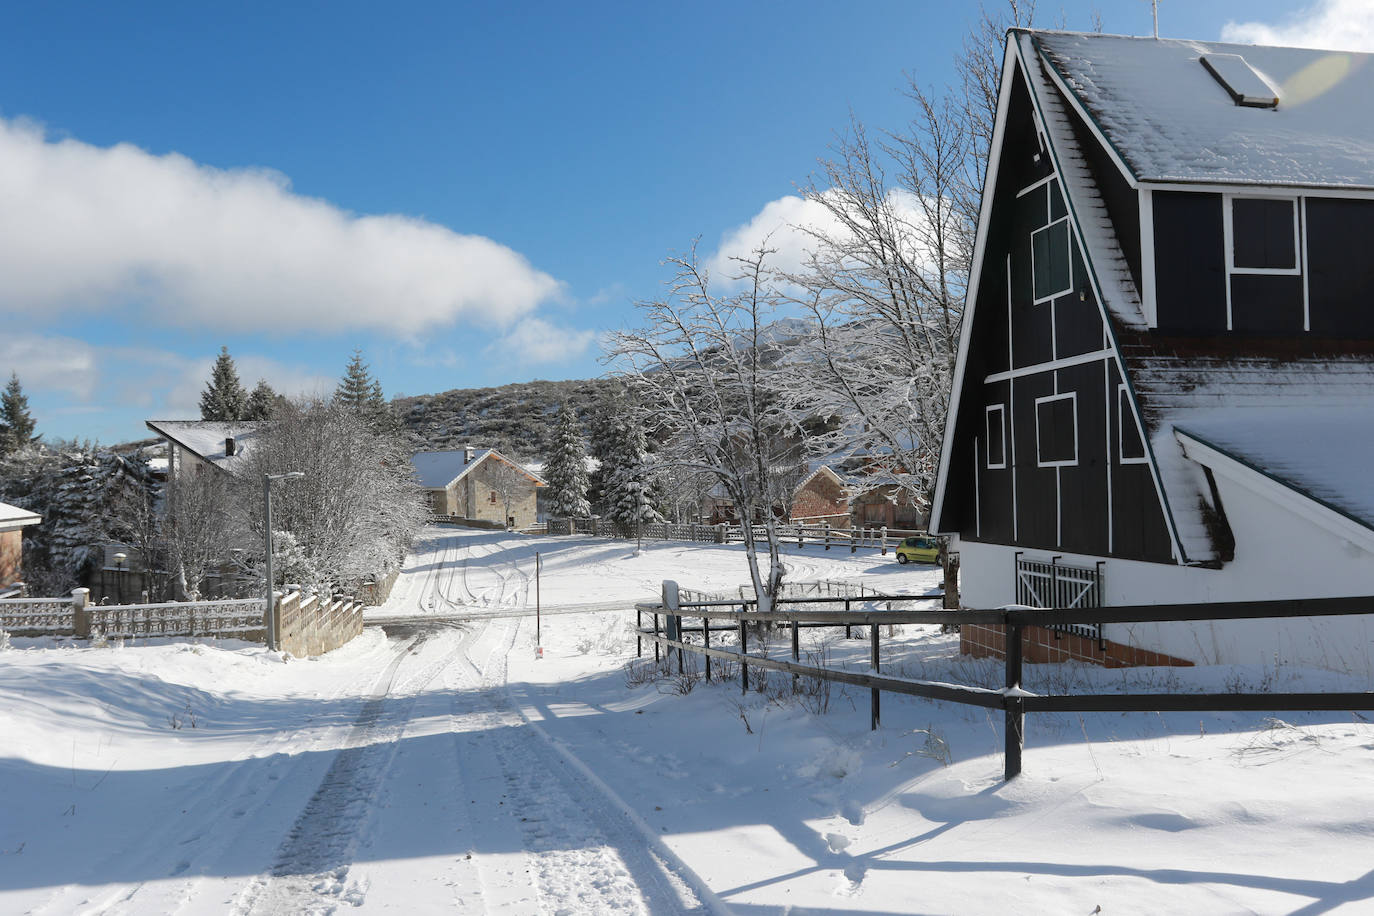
[
  {"x": 436, "y": 470},
  {"x": 205, "y": 438},
  {"x": 1321, "y": 452},
  {"x": 1170, "y": 120},
  {"x": 1306, "y": 422},
  {"x": 12, "y": 517}
]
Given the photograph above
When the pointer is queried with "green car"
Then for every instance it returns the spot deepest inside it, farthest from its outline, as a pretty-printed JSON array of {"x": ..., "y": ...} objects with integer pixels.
[{"x": 919, "y": 550}]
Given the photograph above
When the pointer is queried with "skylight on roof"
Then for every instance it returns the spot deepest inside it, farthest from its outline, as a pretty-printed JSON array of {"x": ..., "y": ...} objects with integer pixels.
[{"x": 1244, "y": 84}]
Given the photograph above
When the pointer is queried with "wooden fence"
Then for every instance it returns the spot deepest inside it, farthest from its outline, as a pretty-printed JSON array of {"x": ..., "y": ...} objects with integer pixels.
[
  {"x": 879, "y": 538},
  {"x": 1015, "y": 702}
]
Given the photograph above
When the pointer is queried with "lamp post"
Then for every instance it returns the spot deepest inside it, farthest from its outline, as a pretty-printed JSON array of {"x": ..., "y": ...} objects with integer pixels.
[
  {"x": 119, "y": 559},
  {"x": 270, "y": 618}
]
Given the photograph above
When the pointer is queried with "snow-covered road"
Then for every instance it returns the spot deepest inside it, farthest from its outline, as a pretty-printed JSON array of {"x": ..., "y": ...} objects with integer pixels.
[
  {"x": 441, "y": 767},
  {"x": 406, "y": 779}
]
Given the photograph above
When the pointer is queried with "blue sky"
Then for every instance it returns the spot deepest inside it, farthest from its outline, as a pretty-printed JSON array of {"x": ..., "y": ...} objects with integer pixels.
[{"x": 469, "y": 192}]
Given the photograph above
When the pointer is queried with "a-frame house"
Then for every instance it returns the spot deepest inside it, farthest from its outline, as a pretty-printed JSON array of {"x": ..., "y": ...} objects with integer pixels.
[{"x": 1165, "y": 385}]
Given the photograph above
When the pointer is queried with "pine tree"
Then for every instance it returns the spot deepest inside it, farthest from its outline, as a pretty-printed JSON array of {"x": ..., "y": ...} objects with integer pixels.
[
  {"x": 628, "y": 476},
  {"x": 261, "y": 402},
  {"x": 357, "y": 389},
  {"x": 16, "y": 426},
  {"x": 567, "y": 468},
  {"x": 223, "y": 398}
]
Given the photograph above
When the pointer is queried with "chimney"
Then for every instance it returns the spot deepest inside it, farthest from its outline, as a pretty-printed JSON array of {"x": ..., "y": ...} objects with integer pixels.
[
  {"x": 229, "y": 447},
  {"x": 467, "y": 454}
]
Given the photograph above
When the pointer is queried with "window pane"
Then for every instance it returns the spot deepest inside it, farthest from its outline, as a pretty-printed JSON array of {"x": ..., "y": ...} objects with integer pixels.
[
  {"x": 997, "y": 456},
  {"x": 1050, "y": 252},
  {"x": 1131, "y": 446},
  {"x": 1262, "y": 231},
  {"x": 1056, "y": 432}
]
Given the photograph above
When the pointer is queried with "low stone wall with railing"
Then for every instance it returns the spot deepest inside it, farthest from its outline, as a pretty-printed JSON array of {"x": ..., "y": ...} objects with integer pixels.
[
  {"x": 241, "y": 618},
  {"x": 306, "y": 625},
  {"x": 313, "y": 625}
]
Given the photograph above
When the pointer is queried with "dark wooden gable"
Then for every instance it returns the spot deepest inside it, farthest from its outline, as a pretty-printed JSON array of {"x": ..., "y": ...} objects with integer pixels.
[{"x": 1045, "y": 451}]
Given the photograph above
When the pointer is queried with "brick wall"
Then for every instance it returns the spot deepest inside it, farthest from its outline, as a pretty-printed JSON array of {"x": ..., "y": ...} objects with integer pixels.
[
  {"x": 821, "y": 496},
  {"x": 1040, "y": 646}
]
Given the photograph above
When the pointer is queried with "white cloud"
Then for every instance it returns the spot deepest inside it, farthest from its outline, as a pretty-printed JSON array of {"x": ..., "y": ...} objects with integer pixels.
[
  {"x": 159, "y": 382},
  {"x": 535, "y": 340},
  {"x": 789, "y": 226},
  {"x": 1341, "y": 25},
  {"x": 782, "y": 224},
  {"x": 191, "y": 246},
  {"x": 49, "y": 363}
]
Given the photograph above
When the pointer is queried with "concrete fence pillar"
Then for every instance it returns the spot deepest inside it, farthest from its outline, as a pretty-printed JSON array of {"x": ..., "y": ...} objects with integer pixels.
[{"x": 81, "y": 617}]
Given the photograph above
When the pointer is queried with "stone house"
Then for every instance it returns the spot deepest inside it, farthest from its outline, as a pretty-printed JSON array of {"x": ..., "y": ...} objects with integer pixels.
[{"x": 480, "y": 485}]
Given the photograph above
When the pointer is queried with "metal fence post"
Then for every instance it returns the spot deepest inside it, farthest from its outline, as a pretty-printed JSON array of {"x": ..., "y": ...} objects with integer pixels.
[
  {"x": 655, "y": 633},
  {"x": 848, "y": 629},
  {"x": 874, "y": 708},
  {"x": 1015, "y": 706},
  {"x": 639, "y": 633},
  {"x": 884, "y": 540}
]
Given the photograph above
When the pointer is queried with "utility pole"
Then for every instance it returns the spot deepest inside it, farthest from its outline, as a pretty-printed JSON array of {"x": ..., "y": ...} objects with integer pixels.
[{"x": 538, "y": 628}]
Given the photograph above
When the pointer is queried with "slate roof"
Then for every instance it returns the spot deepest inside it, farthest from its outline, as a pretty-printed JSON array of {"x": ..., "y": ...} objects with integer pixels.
[
  {"x": 205, "y": 438},
  {"x": 1170, "y": 120}
]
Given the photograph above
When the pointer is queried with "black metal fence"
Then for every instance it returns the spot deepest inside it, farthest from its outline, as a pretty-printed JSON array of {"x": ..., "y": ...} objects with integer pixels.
[
  {"x": 668, "y": 631},
  {"x": 1047, "y": 585}
]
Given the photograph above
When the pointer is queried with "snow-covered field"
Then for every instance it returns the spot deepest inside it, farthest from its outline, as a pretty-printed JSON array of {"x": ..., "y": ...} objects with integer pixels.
[{"x": 443, "y": 767}]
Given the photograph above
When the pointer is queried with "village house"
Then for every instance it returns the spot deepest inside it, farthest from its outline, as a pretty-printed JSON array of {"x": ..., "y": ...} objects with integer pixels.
[
  {"x": 13, "y": 521},
  {"x": 1165, "y": 386},
  {"x": 480, "y": 485}
]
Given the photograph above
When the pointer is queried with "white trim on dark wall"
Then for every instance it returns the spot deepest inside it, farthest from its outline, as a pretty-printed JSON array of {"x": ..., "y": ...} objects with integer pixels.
[
  {"x": 1039, "y": 449},
  {"x": 1001, "y": 411},
  {"x": 1125, "y": 414},
  {"x": 1148, "y": 305}
]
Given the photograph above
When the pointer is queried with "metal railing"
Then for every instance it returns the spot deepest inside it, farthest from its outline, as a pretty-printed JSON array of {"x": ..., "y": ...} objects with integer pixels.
[{"x": 1046, "y": 585}]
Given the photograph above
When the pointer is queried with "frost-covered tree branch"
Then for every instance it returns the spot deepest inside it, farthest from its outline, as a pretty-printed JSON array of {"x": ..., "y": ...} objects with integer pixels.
[{"x": 705, "y": 367}]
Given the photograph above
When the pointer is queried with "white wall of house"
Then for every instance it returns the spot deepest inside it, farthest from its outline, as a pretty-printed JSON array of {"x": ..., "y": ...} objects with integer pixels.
[{"x": 1283, "y": 550}]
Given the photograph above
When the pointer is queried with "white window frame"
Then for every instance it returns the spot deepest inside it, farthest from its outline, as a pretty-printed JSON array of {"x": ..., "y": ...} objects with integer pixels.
[
  {"x": 1068, "y": 462},
  {"x": 1299, "y": 251},
  {"x": 1126, "y": 414},
  {"x": 1231, "y": 267},
  {"x": 1001, "y": 411},
  {"x": 1068, "y": 230}
]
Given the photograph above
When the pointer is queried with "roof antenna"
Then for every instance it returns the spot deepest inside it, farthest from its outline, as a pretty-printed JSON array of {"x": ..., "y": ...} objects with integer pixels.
[{"x": 1154, "y": 9}]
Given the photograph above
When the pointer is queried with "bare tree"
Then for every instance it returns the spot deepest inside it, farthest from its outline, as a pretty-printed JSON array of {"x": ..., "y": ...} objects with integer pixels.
[
  {"x": 885, "y": 279},
  {"x": 705, "y": 366},
  {"x": 203, "y": 530},
  {"x": 508, "y": 482}
]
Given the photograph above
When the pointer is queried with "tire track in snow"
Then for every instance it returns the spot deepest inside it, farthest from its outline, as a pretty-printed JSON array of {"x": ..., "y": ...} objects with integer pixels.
[
  {"x": 310, "y": 871},
  {"x": 582, "y": 861}
]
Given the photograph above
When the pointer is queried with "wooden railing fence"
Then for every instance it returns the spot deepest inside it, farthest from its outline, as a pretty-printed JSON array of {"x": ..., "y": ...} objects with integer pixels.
[
  {"x": 875, "y": 537},
  {"x": 668, "y": 631}
]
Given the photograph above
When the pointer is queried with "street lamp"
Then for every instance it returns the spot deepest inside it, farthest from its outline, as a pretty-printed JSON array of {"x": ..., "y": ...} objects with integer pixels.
[
  {"x": 119, "y": 559},
  {"x": 270, "y": 619}
]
